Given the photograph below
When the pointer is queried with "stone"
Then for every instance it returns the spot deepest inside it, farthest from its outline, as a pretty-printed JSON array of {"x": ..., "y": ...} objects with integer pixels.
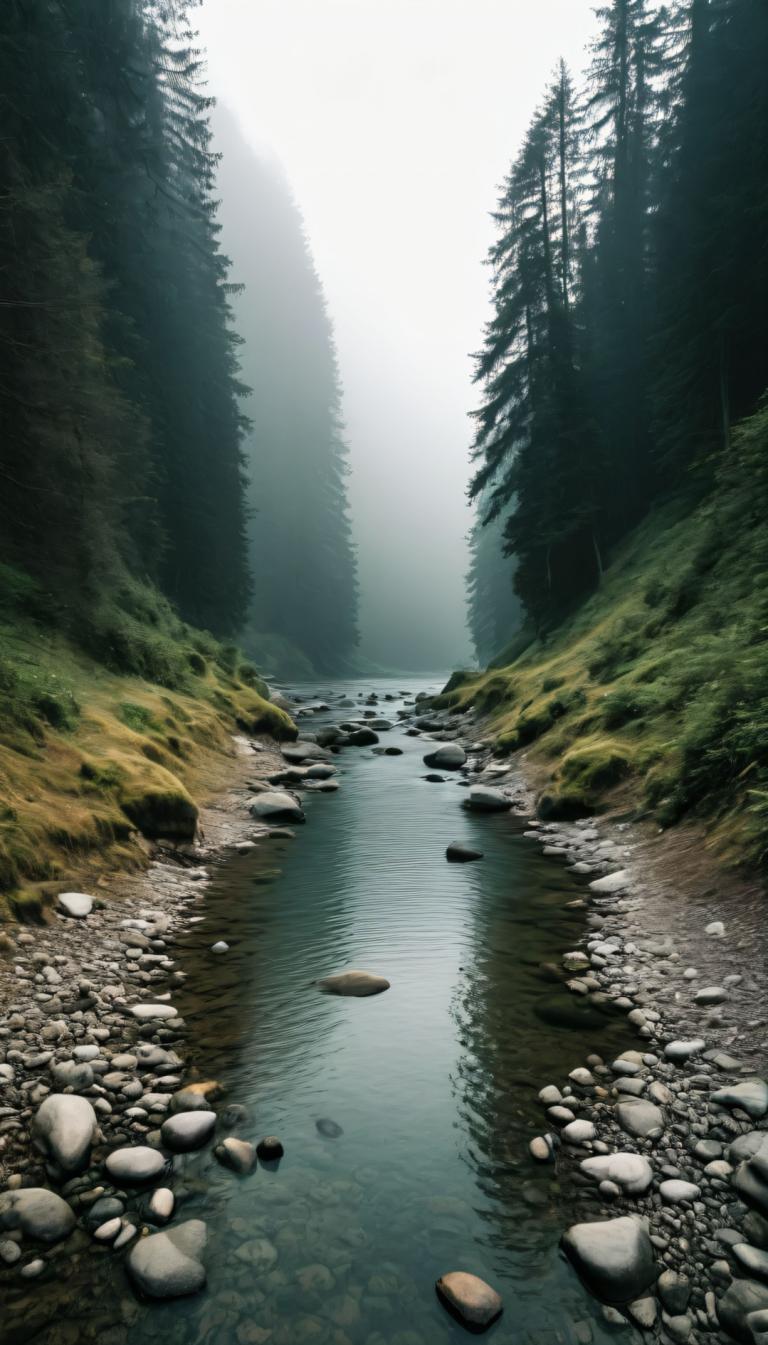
[
  {"x": 579, "y": 1132},
  {"x": 751, "y": 1096},
  {"x": 145, "y": 1013},
  {"x": 674, "y": 1191},
  {"x": 259, "y": 1254},
  {"x": 169, "y": 1264},
  {"x": 611, "y": 882},
  {"x": 71, "y": 1074},
  {"x": 639, "y": 1118},
  {"x": 740, "y": 1300},
  {"x": 220, "y": 947},
  {"x": 644, "y": 1312},
  {"x": 469, "y": 1298},
  {"x": 613, "y": 1257},
  {"x": 710, "y": 994},
  {"x": 138, "y": 1163},
  {"x": 236, "y": 1154},
  {"x": 193, "y": 1098},
  {"x": 188, "y": 1130},
  {"x": 277, "y": 806},
  {"x": 108, "y": 1231},
  {"x": 161, "y": 1205},
  {"x": 448, "y": 758},
  {"x": 462, "y": 854},
  {"x": 680, "y": 1051},
  {"x": 485, "y": 799},
  {"x": 77, "y": 905},
  {"x": 36, "y": 1213},
  {"x": 715, "y": 928},
  {"x": 355, "y": 983},
  {"x": 632, "y": 1172},
  {"x": 550, "y": 1096},
  {"x": 674, "y": 1290},
  {"x": 330, "y": 1130},
  {"x": 269, "y": 1149},
  {"x": 541, "y": 1149},
  {"x": 65, "y": 1125},
  {"x": 752, "y": 1259}
]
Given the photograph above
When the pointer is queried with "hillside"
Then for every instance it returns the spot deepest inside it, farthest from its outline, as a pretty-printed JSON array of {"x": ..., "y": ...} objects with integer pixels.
[
  {"x": 110, "y": 739},
  {"x": 653, "y": 694}
]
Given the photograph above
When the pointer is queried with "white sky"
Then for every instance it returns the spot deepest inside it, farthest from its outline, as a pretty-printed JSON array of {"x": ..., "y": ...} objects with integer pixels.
[{"x": 395, "y": 121}]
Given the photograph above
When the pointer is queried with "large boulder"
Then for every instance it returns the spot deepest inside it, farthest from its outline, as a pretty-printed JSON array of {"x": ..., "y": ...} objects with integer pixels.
[
  {"x": 614, "y": 1257},
  {"x": 469, "y": 1298},
  {"x": 136, "y": 1163},
  {"x": 611, "y": 883},
  {"x": 750, "y": 1096},
  {"x": 302, "y": 751},
  {"x": 741, "y": 1298},
  {"x": 448, "y": 758},
  {"x": 169, "y": 1264},
  {"x": 641, "y": 1119},
  {"x": 65, "y": 1126},
  {"x": 632, "y": 1172},
  {"x": 354, "y": 983},
  {"x": 457, "y": 853},
  {"x": 188, "y": 1130},
  {"x": 36, "y": 1213},
  {"x": 362, "y": 738},
  {"x": 750, "y": 1180},
  {"x": 486, "y": 799},
  {"x": 277, "y": 806}
]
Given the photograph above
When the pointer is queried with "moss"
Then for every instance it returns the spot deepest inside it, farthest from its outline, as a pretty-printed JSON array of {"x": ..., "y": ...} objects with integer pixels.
[
  {"x": 138, "y": 717},
  {"x": 160, "y": 808}
]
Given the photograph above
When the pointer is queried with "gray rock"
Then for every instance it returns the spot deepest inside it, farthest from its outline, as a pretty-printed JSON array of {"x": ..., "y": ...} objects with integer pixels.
[
  {"x": 462, "y": 854},
  {"x": 270, "y": 1148},
  {"x": 541, "y": 1149},
  {"x": 71, "y": 1074},
  {"x": 611, "y": 883},
  {"x": 632, "y": 1172},
  {"x": 741, "y": 1298},
  {"x": 66, "y": 1125},
  {"x": 162, "y": 1204},
  {"x": 276, "y": 806},
  {"x": 642, "y": 1119},
  {"x": 470, "y": 1298},
  {"x": 579, "y": 1132},
  {"x": 644, "y": 1312},
  {"x": 614, "y": 1257},
  {"x": 710, "y": 994},
  {"x": 236, "y": 1154},
  {"x": 674, "y": 1191},
  {"x": 448, "y": 758},
  {"x": 107, "y": 1232},
  {"x": 485, "y": 799},
  {"x": 355, "y": 983},
  {"x": 751, "y": 1096},
  {"x": 169, "y": 1264},
  {"x": 220, "y": 947},
  {"x": 188, "y": 1130},
  {"x": 674, "y": 1291},
  {"x": 37, "y": 1213},
  {"x": 752, "y": 1259},
  {"x": 146, "y": 1013},
  {"x": 75, "y": 904},
  {"x": 680, "y": 1051},
  {"x": 138, "y": 1163}
]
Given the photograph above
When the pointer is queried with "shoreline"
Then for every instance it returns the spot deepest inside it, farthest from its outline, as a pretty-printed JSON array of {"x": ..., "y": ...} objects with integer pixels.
[{"x": 658, "y": 1133}]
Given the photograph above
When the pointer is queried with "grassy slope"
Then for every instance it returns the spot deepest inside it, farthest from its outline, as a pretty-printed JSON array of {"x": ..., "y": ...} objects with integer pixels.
[
  {"x": 655, "y": 693},
  {"x": 93, "y": 760}
]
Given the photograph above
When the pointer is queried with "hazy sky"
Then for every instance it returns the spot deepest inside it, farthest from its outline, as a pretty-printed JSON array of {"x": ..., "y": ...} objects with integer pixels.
[{"x": 395, "y": 121}]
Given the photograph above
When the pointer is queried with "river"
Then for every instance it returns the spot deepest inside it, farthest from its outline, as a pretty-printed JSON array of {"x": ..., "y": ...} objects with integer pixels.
[{"x": 431, "y": 1087}]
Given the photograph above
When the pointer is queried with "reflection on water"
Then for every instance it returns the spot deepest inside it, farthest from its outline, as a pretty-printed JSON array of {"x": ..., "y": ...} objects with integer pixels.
[{"x": 433, "y": 1084}]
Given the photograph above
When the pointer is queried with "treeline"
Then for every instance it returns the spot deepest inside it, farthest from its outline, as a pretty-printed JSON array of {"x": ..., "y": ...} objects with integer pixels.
[
  {"x": 299, "y": 535},
  {"x": 122, "y": 445},
  {"x": 630, "y": 281}
]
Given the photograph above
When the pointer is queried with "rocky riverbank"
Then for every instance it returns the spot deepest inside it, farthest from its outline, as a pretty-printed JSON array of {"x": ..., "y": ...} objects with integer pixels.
[{"x": 670, "y": 1140}]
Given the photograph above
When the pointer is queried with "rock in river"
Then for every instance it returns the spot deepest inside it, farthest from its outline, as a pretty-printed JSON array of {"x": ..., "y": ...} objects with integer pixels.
[
  {"x": 36, "y": 1213},
  {"x": 138, "y": 1163},
  {"x": 462, "y": 854},
  {"x": 614, "y": 1257},
  {"x": 741, "y": 1298},
  {"x": 751, "y": 1096},
  {"x": 448, "y": 758},
  {"x": 270, "y": 1149},
  {"x": 236, "y": 1154},
  {"x": 356, "y": 983},
  {"x": 470, "y": 1298},
  {"x": 169, "y": 1264},
  {"x": 77, "y": 905},
  {"x": 188, "y": 1130},
  {"x": 65, "y": 1125},
  {"x": 643, "y": 1120},
  {"x": 485, "y": 799},
  {"x": 277, "y": 806}
]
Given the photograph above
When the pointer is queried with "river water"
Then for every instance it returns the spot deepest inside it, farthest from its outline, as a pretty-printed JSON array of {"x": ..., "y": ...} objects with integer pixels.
[{"x": 431, "y": 1087}]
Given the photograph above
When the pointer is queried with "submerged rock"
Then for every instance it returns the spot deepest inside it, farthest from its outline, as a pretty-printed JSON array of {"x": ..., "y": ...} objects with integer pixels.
[
  {"x": 270, "y": 1149},
  {"x": 614, "y": 1257},
  {"x": 236, "y": 1154},
  {"x": 486, "y": 799},
  {"x": 354, "y": 983},
  {"x": 462, "y": 854},
  {"x": 470, "y": 1298},
  {"x": 169, "y": 1264},
  {"x": 448, "y": 758},
  {"x": 277, "y": 806}
]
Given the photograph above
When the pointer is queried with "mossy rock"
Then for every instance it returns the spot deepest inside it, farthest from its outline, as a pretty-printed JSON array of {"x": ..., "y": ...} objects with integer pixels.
[
  {"x": 595, "y": 766},
  {"x": 256, "y": 715},
  {"x": 159, "y": 805},
  {"x": 558, "y": 804}
]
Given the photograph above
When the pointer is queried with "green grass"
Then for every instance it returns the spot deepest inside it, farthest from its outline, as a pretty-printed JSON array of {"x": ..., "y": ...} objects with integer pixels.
[
  {"x": 655, "y": 692},
  {"x": 111, "y": 731}
]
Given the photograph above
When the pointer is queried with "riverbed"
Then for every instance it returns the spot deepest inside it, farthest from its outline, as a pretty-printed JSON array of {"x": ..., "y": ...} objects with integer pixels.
[{"x": 406, "y": 1117}]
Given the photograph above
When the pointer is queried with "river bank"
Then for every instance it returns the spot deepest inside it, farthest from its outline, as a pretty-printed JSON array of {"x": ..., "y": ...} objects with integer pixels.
[{"x": 251, "y": 1023}]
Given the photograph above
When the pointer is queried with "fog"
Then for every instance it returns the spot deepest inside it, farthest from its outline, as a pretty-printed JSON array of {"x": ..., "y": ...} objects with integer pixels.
[{"x": 395, "y": 121}]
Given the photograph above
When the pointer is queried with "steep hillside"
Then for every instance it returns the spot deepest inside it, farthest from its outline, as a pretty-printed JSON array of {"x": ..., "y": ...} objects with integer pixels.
[
  {"x": 109, "y": 737},
  {"x": 654, "y": 693}
]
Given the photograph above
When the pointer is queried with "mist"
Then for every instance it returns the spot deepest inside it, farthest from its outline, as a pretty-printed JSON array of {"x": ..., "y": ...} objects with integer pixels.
[{"x": 394, "y": 121}]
